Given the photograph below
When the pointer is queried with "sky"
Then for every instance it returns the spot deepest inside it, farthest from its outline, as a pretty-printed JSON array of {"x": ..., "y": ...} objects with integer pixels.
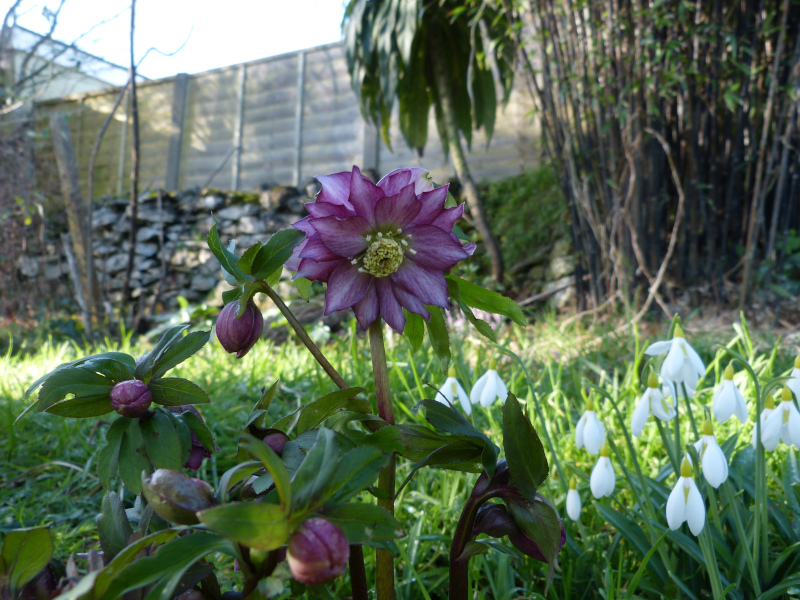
[{"x": 216, "y": 33}]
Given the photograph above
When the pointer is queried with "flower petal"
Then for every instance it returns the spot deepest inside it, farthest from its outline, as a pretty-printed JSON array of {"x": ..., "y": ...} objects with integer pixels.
[
  {"x": 640, "y": 414},
  {"x": 446, "y": 391},
  {"x": 432, "y": 205},
  {"x": 391, "y": 183},
  {"x": 715, "y": 465},
  {"x": 317, "y": 271},
  {"x": 771, "y": 432},
  {"x": 434, "y": 249},
  {"x": 346, "y": 286},
  {"x": 411, "y": 303},
  {"x": 662, "y": 407},
  {"x": 695, "y": 509},
  {"x": 574, "y": 505},
  {"x": 657, "y": 348},
  {"x": 366, "y": 309},
  {"x": 429, "y": 286},
  {"x": 695, "y": 360},
  {"x": 594, "y": 434},
  {"x": 399, "y": 209},
  {"x": 449, "y": 217},
  {"x": 502, "y": 390},
  {"x": 579, "y": 429},
  {"x": 740, "y": 408},
  {"x": 335, "y": 188},
  {"x": 672, "y": 366},
  {"x": 316, "y": 250},
  {"x": 724, "y": 401},
  {"x": 477, "y": 389},
  {"x": 345, "y": 237},
  {"x": 603, "y": 479},
  {"x": 463, "y": 399},
  {"x": 390, "y": 308},
  {"x": 793, "y": 384},
  {"x": 364, "y": 194},
  {"x": 489, "y": 394},
  {"x": 323, "y": 209},
  {"x": 794, "y": 424},
  {"x": 676, "y": 506}
]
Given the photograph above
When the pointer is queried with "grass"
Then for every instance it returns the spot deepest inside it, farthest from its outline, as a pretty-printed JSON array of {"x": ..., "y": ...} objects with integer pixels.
[{"x": 48, "y": 462}]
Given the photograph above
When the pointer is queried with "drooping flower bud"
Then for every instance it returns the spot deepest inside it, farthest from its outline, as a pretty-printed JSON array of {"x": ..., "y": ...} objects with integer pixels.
[
  {"x": 177, "y": 497},
  {"x": 238, "y": 335},
  {"x": 521, "y": 510},
  {"x": 276, "y": 441},
  {"x": 318, "y": 552},
  {"x": 493, "y": 520},
  {"x": 131, "y": 398}
]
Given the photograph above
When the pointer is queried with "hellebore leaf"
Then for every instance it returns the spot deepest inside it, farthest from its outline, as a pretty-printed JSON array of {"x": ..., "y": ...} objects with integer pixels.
[
  {"x": 108, "y": 459},
  {"x": 231, "y": 295},
  {"x": 366, "y": 524},
  {"x": 227, "y": 259},
  {"x": 414, "y": 330},
  {"x": 133, "y": 457},
  {"x": 162, "y": 442},
  {"x": 178, "y": 351},
  {"x": 482, "y": 326},
  {"x": 200, "y": 429},
  {"x": 81, "y": 382},
  {"x": 303, "y": 286},
  {"x": 356, "y": 470},
  {"x": 174, "y": 391},
  {"x": 454, "y": 452},
  {"x": 246, "y": 262},
  {"x": 539, "y": 522},
  {"x": 314, "y": 473},
  {"x": 25, "y": 552},
  {"x": 440, "y": 339},
  {"x": 113, "y": 526},
  {"x": 144, "y": 366},
  {"x": 273, "y": 464},
  {"x": 275, "y": 252},
  {"x": 487, "y": 300},
  {"x": 254, "y": 524},
  {"x": 523, "y": 449},
  {"x": 261, "y": 407},
  {"x": 82, "y": 407},
  {"x": 312, "y": 415}
]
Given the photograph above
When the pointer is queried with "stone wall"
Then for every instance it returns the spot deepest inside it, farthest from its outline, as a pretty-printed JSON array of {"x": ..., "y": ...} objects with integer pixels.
[{"x": 170, "y": 241}]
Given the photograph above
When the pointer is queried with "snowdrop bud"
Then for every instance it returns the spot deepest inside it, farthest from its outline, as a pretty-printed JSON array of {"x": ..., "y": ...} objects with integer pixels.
[
  {"x": 770, "y": 402},
  {"x": 786, "y": 394},
  {"x": 573, "y": 501},
  {"x": 493, "y": 364},
  {"x": 678, "y": 333},
  {"x": 728, "y": 400},
  {"x": 489, "y": 387},
  {"x": 589, "y": 431}
]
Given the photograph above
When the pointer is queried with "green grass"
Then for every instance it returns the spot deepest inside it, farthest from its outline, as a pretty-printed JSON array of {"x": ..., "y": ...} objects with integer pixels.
[{"x": 48, "y": 473}]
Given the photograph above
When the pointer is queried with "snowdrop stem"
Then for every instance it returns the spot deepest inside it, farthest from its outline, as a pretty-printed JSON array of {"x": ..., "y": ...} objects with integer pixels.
[
  {"x": 671, "y": 452},
  {"x": 714, "y": 507},
  {"x": 711, "y": 563},
  {"x": 733, "y": 505},
  {"x": 690, "y": 411}
]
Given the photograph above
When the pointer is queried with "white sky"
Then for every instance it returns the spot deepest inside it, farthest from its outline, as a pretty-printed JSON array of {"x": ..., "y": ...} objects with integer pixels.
[{"x": 219, "y": 32}]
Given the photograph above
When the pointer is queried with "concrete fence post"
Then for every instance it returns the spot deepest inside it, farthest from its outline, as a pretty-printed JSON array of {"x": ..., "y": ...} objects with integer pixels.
[
  {"x": 179, "y": 95},
  {"x": 298, "y": 116},
  {"x": 237, "y": 129}
]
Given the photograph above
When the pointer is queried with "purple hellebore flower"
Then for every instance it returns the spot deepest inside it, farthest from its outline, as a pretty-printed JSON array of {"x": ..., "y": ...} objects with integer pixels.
[
  {"x": 318, "y": 552},
  {"x": 131, "y": 398},
  {"x": 380, "y": 248},
  {"x": 239, "y": 334}
]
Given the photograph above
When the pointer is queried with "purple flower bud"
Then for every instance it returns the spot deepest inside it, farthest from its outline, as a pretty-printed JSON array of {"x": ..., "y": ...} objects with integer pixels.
[
  {"x": 276, "y": 441},
  {"x": 131, "y": 398},
  {"x": 177, "y": 497},
  {"x": 494, "y": 520},
  {"x": 522, "y": 510},
  {"x": 239, "y": 335},
  {"x": 198, "y": 451},
  {"x": 318, "y": 552}
]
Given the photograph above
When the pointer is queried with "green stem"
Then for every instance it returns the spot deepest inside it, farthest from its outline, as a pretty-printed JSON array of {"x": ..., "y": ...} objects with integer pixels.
[
  {"x": 742, "y": 535},
  {"x": 671, "y": 452},
  {"x": 711, "y": 563},
  {"x": 386, "y": 477},
  {"x": 691, "y": 413}
]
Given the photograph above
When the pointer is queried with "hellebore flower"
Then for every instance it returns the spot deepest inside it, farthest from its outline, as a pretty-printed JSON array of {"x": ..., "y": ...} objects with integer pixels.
[
  {"x": 131, "y": 398},
  {"x": 198, "y": 452},
  {"x": 177, "y": 497},
  {"x": 682, "y": 364},
  {"x": 489, "y": 387},
  {"x": 276, "y": 441},
  {"x": 769, "y": 408},
  {"x": 685, "y": 502},
  {"x": 793, "y": 383},
  {"x": 783, "y": 424},
  {"x": 523, "y": 511},
  {"x": 590, "y": 431},
  {"x": 715, "y": 465},
  {"x": 239, "y": 334},
  {"x": 651, "y": 402},
  {"x": 493, "y": 520},
  {"x": 603, "y": 479},
  {"x": 318, "y": 552},
  {"x": 728, "y": 400},
  {"x": 573, "y": 501},
  {"x": 452, "y": 390},
  {"x": 380, "y": 248}
]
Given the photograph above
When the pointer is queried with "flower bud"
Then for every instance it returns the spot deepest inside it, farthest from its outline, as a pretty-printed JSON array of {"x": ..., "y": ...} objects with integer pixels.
[
  {"x": 276, "y": 441},
  {"x": 198, "y": 452},
  {"x": 494, "y": 520},
  {"x": 239, "y": 334},
  {"x": 318, "y": 552},
  {"x": 177, "y": 497},
  {"x": 131, "y": 398},
  {"x": 522, "y": 510}
]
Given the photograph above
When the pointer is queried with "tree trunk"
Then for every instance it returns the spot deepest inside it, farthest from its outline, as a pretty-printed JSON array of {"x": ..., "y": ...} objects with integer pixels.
[{"x": 445, "y": 93}]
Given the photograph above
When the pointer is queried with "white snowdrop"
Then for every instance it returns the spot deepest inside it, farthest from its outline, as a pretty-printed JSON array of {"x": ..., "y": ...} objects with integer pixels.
[
  {"x": 783, "y": 424},
  {"x": 589, "y": 431},
  {"x": 452, "y": 391},
  {"x": 682, "y": 364},
  {"x": 769, "y": 408},
  {"x": 489, "y": 387},
  {"x": 685, "y": 502},
  {"x": 653, "y": 402},
  {"x": 573, "y": 501},
  {"x": 793, "y": 383},
  {"x": 603, "y": 479},
  {"x": 728, "y": 400},
  {"x": 712, "y": 458}
]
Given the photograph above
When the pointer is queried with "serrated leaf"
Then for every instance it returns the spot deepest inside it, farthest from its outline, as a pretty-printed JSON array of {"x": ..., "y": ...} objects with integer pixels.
[
  {"x": 245, "y": 263},
  {"x": 82, "y": 407},
  {"x": 178, "y": 351},
  {"x": 144, "y": 366},
  {"x": 482, "y": 326},
  {"x": 314, "y": 473},
  {"x": 414, "y": 330},
  {"x": 226, "y": 258},
  {"x": 162, "y": 442},
  {"x": 73, "y": 380},
  {"x": 538, "y": 521},
  {"x": 477, "y": 297},
  {"x": 113, "y": 527},
  {"x": 175, "y": 391},
  {"x": 315, "y": 413},
  {"x": 229, "y": 296},
  {"x": 200, "y": 429},
  {"x": 273, "y": 464},
  {"x": 276, "y": 252},
  {"x": 254, "y": 524},
  {"x": 303, "y": 286},
  {"x": 366, "y": 524},
  {"x": 524, "y": 452},
  {"x": 261, "y": 407},
  {"x": 440, "y": 338}
]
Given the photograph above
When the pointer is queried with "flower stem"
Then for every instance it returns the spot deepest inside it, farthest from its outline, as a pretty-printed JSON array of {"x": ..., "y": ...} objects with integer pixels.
[
  {"x": 742, "y": 534},
  {"x": 386, "y": 477},
  {"x": 690, "y": 411},
  {"x": 358, "y": 575},
  {"x": 711, "y": 563}
]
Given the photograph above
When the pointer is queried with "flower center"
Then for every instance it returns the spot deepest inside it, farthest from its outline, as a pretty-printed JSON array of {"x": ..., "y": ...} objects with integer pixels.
[{"x": 383, "y": 257}]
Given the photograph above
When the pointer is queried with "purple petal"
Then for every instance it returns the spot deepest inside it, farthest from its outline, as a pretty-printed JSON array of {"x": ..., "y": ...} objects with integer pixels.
[
  {"x": 316, "y": 250},
  {"x": 390, "y": 308},
  {"x": 346, "y": 286},
  {"x": 345, "y": 237},
  {"x": 398, "y": 210},
  {"x": 428, "y": 286},
  {"x": 435, "y": 249},
  {"x": 324, "y": 209},
  {"x": 305, "y": 226},
  {"x": 364, "y": 194},
  {"x": 294, "y": 260},
  {"x": 316, "y": 271},
  {"x": 449, "y": 217},
  {"x": 335, "y": 189},
  {"x": 411, "y": 303},
  {"x": 432, "y": 205},
  {"x": 399, "y": 178},
  {"x": 366, "y": 309}
]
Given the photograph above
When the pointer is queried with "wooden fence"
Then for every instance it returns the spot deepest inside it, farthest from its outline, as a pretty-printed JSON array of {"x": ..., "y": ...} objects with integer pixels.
[{"x": 279, "y": 120}]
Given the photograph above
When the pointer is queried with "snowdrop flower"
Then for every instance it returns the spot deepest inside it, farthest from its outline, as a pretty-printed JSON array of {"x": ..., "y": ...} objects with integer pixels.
[
  {"x": 728, "y": 400},
  {"x": 715, "y": 465},
  {"x": 783, "y": 424},
  {"x": 489, "y": 387},
  {"x": 685, "y": 502},
  {"x": 651, "y": 402},
  {"x": 682, "y": 364},
  {"x": 452, "y": 390},
  {"x": 573, "y": 501},
  {"x": 769, "y": 408},
  {"x": 793, "y": 383},
  {"x": 590, "y": 431},
  {"x": 603, "y": 477}
]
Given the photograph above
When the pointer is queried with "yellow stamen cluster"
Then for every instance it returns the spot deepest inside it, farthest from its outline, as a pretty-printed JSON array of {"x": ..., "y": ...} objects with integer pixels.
[{"x": 383, "y": 256}]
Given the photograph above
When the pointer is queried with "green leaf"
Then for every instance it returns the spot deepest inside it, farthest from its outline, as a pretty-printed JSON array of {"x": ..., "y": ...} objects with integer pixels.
[
  {"x": 231, "y": 295},
  {"x": 246, "y": 262},
  {"x": 108, "y": 458},
  {"x": 25, "y": 552},
  {"x": 261, "y": 407},
  {"x": 482, "y": 326},
  {"x": 133, "y": 457},
  {"x": 366, "y": 524},
  {"x": 314, "y": 473},
  {"x": 315, "y": 413},
  {"x": 73, "y": 380},
  {"x": 162, "y": 442},
  {"x": 487, "y": 300},
  {"x": 473, "y": 549},
  {"x": 303, "y": 286},
  {"x": 174, "y": 391},
  {"x": 178, "y": 351},
  {"x": 200, "y": 429},
  {"x": 419, "y": 442},
  {"x": 113, "y": 526},
  {"x": 276, "y": 252},
  {"x": 116, "y": 356},
  {"x": 523, "y": 449},
  {"x": 144, "y": 367},
  {"x": 440, "y": 339},
  {"x": 414, "y": 330},
  {"x": 356, "y": 471},
  {"x": 233, "y": 476},
  {"x": 226, "y": 258},
  {"x": 273, "y": 464},
  {"x": 254, "y": 524},
  {"x": 539, "y": 521},
  {"x": 82, "y": 407}
]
